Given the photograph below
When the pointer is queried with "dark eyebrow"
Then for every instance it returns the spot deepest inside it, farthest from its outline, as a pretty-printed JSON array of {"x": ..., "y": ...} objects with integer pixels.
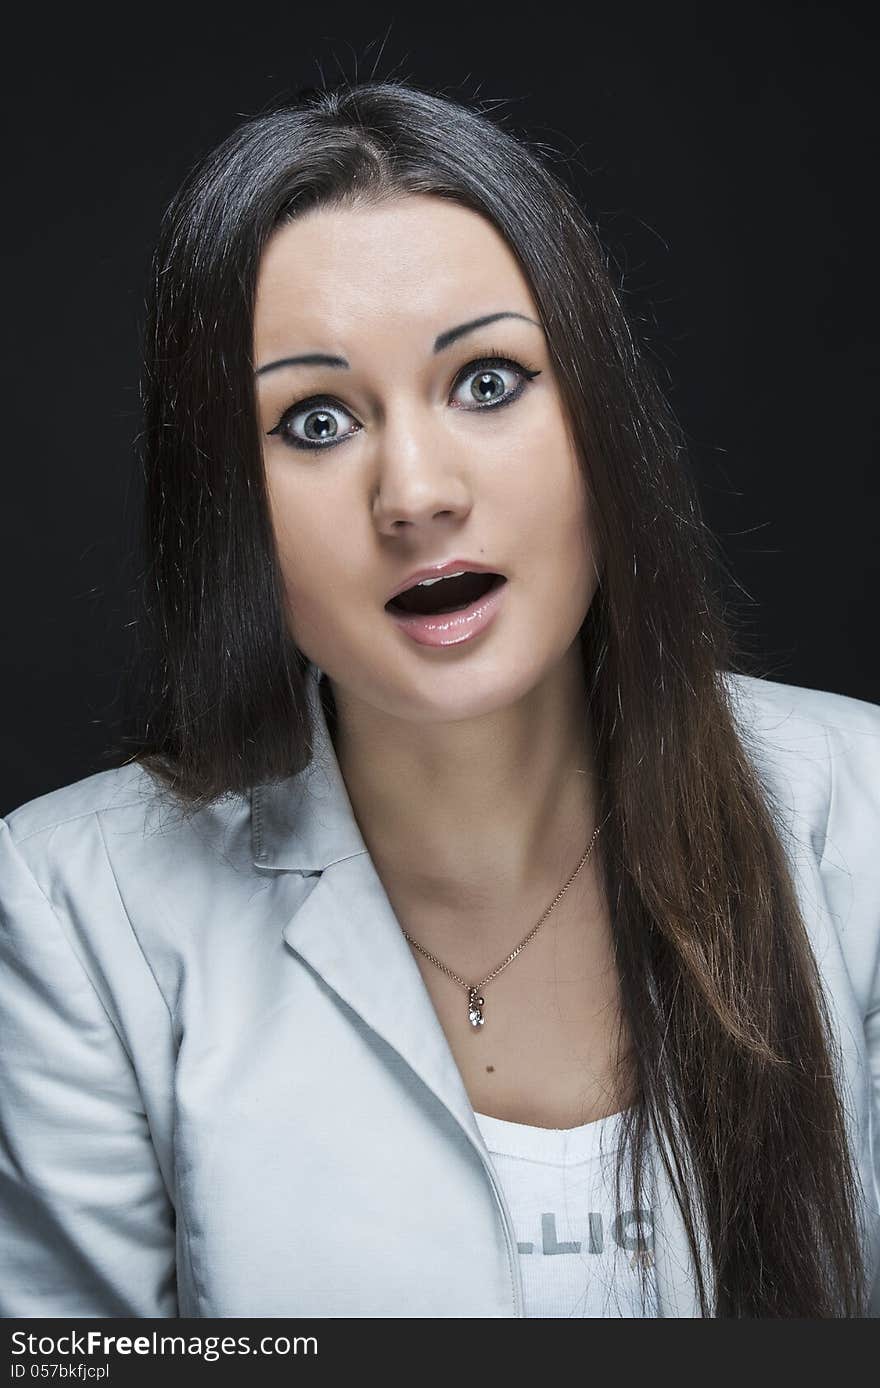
[
  {"x": 444, "y": 340},
  {"x": 453, "y": 334}
]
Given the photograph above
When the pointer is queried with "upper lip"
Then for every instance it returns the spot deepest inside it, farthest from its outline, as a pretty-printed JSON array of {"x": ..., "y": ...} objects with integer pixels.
[{"x": 449, "y": 566}]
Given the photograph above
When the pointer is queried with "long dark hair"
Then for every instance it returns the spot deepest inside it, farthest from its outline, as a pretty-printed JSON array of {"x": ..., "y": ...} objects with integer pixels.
[{"x": 731, "y": 1038}]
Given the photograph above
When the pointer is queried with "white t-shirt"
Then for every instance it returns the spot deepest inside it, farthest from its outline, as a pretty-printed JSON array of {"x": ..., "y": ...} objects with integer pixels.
[{"x": 578, "y": 1253}]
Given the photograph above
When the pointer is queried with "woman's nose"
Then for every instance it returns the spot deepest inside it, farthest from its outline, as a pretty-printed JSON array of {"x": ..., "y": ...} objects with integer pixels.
[{"x": 420, "y": 474}]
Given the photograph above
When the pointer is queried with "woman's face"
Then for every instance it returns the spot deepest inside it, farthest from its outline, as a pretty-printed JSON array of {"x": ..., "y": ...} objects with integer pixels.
[{"x": 408, "y": 468}]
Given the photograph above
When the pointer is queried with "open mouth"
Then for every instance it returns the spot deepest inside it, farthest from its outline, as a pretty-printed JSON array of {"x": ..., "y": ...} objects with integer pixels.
[{"x": 445, "y": 594}]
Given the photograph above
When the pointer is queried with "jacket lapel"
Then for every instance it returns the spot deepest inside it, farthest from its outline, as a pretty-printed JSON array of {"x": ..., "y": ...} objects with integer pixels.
[
  {"x": 346, "y": 929},
  {"x": 347, "y": 932}
]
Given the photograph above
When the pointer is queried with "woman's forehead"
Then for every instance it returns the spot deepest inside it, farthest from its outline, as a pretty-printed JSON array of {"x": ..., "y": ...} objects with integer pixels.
[{"x": 419, "y": 263}]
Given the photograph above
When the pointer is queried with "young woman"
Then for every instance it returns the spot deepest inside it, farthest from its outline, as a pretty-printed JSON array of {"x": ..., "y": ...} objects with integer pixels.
[{"x": 454, "y": 853}]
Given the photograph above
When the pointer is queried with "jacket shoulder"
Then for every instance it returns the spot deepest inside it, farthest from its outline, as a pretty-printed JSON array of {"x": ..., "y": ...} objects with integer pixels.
[
  {"x": 768, "y": 704},
  {"x": 817, "y": 754},
  {"x": 103, "y": 792}
]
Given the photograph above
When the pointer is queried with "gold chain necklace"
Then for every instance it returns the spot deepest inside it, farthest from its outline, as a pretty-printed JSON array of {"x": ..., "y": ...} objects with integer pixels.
[{"x": 475, "y": 1000}]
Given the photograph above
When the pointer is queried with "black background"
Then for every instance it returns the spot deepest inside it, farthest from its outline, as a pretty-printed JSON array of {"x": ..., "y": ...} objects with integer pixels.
[{"x": 727, "y": 156}]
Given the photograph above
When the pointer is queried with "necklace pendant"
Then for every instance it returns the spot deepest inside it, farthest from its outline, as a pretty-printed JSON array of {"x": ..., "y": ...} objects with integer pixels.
[{"x": 475, "y": 1003}]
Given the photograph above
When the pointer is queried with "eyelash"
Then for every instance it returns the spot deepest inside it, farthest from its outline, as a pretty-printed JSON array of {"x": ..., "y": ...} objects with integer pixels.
[{"x": 472, "y": 368}]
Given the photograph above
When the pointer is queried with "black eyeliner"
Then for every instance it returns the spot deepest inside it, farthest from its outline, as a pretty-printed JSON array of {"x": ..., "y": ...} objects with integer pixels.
[{"x": 472, "y": 368}]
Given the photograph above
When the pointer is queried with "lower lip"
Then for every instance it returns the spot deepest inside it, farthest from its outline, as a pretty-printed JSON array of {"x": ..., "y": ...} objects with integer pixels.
[{"x": 452, "y": 628}]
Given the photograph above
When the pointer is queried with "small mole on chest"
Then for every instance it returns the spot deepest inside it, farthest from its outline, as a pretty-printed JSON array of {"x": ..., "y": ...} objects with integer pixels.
[{"x": 490, "y": 1068}]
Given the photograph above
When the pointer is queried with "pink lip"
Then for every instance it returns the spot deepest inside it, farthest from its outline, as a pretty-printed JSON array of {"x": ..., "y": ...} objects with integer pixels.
[
  {"x": 452, "y": 628},
  {"x": 450, "y": 566}
]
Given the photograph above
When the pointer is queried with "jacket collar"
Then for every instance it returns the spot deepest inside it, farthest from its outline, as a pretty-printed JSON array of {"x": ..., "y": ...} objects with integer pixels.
[
  {"x": 345, "y": 927},
  {"x": 346, "y": 930},
  {"x": 306, "y": 823}
]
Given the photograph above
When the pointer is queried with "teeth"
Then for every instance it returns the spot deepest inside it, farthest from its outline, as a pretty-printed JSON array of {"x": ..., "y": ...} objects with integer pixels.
[{"x": 426, "y": 582}]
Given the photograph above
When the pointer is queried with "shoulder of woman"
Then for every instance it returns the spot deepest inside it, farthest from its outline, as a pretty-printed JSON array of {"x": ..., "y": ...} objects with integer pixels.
[
  {"x": 817, "y": 751},
  {"x": 796, "y": 711}
]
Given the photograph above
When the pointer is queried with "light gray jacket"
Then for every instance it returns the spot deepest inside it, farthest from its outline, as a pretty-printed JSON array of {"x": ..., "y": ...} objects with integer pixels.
[{"x": 224, "y": 1090}]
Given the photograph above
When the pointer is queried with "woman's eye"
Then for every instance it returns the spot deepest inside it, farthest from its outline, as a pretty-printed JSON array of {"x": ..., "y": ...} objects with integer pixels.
[
  {"x": 485, "y": 383},
  {"x": 315, "y": 423}
]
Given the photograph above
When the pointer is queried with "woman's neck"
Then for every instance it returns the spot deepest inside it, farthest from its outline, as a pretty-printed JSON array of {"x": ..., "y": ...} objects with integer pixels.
[{"x": 475, "y": 817}]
